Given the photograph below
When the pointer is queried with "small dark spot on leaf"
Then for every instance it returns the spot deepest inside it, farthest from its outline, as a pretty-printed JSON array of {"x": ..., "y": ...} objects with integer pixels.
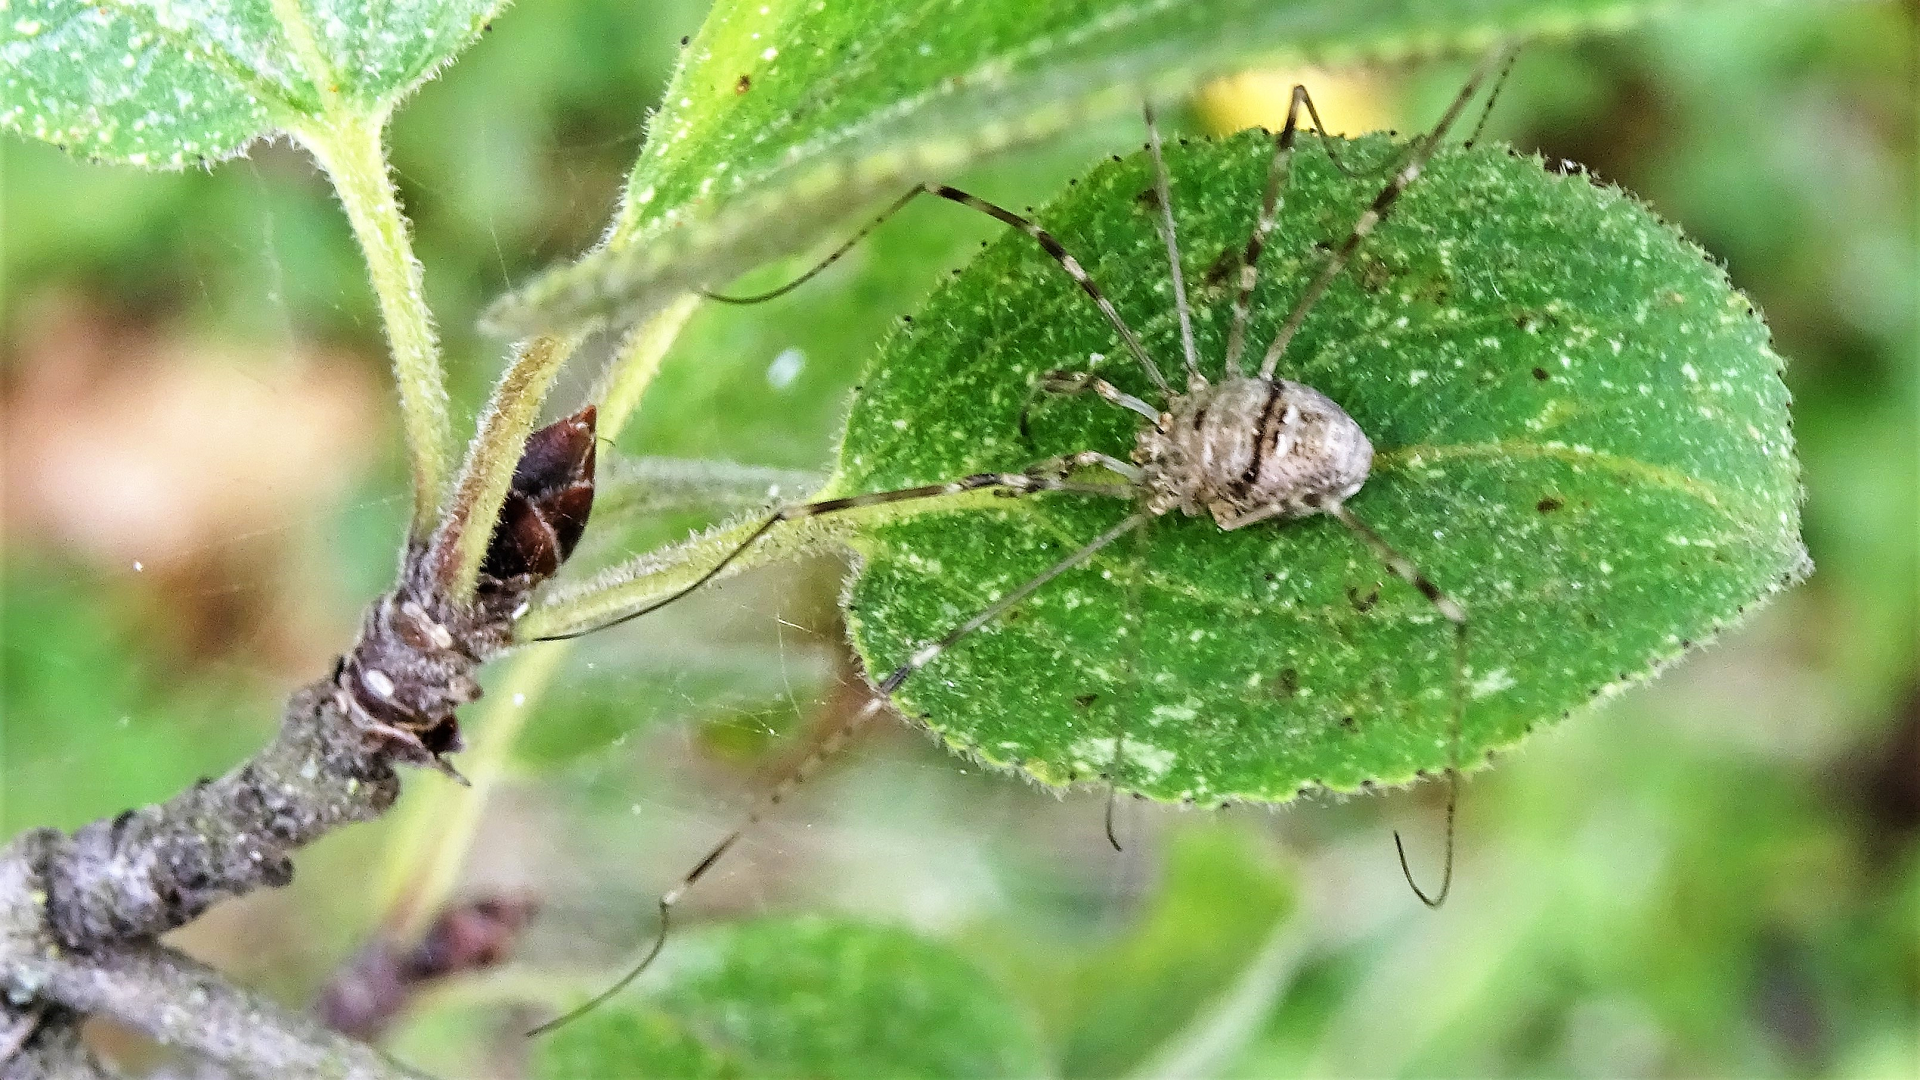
[
  {"x": 1347, "y": 723},
  {"x": 1218, "y": 270},
  {"x": 683, "y": 42},
  {"x": 1085, "y": 700},
  {"x": 1548, "y": 505},
  {"x": 742, "y": 84},
  {"x": 1540, "y": 373},
  {"x": 1362, "y": 603},
  {"x": 1286, "y": 684}
]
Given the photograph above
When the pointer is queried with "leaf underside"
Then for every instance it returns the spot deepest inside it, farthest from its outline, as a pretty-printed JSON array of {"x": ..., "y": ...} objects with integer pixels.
[
  {"x": 786, "y": 116},
  {"x": 1580, "y": 429},
  {"x": 804, "y": 998},
  {"x": 167, "y": 85}
]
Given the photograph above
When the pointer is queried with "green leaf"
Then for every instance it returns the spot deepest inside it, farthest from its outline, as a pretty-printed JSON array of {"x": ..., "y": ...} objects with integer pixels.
[
  {"x": 803, "y": 998},
  {"x": 787, "y": 114},
  {"x": 1580, "y": 434},
  {"x": 167, "y": 85}
]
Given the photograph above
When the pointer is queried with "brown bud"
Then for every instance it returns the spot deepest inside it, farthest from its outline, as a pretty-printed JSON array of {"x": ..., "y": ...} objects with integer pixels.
[{"x": 547, "y": 505}]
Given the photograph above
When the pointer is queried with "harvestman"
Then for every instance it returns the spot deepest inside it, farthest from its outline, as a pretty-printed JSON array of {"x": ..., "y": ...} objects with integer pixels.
[{"x": 1245, "y": 450}]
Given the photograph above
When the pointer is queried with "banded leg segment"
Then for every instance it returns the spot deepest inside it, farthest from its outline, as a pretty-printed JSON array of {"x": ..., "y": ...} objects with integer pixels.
[
  {"x": 1493, "y": 98},
  {"x": 1416, "y": 159},
  {"x": 831, "y": 745},
  {"x": 1449, "y": 609},
  {"x": 1279, "y": 171},
  {"x": 1053, "y": 474},
  {"x": 1163, "y": 190},
  {"x": 1069, "y": 383},
  {"x": 1045, "y": 239}
]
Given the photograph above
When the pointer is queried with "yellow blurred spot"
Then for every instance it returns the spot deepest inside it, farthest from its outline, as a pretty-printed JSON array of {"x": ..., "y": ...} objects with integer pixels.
[{"x": 1351, "y": 102}]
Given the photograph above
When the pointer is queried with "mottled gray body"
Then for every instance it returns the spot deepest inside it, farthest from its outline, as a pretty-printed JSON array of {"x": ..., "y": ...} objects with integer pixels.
[{"x": 1252, "y": 449}]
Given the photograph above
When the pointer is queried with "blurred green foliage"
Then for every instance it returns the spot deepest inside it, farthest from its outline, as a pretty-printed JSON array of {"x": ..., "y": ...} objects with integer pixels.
[
  {"x": 805, "y": 998},
  {"x": 1715, "y": 876}
]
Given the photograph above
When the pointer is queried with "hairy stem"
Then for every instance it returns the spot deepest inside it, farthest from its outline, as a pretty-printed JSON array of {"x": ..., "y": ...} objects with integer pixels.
[
  {"x": 630, "y": 487},
  {"x": 501, "y": 436},
  {"x": 627, "y": 377},
  {"x": 351, "y": 150},
  {"x": 622, "y": 589}
]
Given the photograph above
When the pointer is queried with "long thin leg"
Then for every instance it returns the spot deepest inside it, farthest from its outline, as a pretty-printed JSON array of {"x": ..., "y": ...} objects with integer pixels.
[
  {"x": 1163, "y": 188},
  {"x": 1404, "y": 569},
  {"x": 1048, "y": 475},
  {"x": 1133, "y": 646},
  {"x": 883, "y": 691},
  {"x": 1416, "y": 160},
  {"x": 1068, "y": 383},
  {"x": 1493, "y": 98},
  {"x": 1045, "y": 239},
  {"x": 853, "y": 241},
  {"x": 1279, "y": 171}
]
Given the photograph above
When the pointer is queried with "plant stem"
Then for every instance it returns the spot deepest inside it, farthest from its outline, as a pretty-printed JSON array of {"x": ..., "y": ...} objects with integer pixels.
[
  {"x": 500, "y": 437},
  {"x": 431, "y": 845},
  {"x": 622, "y": 589},
  {"x": 626, "y": 379},
  {"x": 351, "y": 150}
]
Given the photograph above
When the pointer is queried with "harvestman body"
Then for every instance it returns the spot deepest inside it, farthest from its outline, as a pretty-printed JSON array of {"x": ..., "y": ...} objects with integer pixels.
[{"x": 1245, "y": 450}]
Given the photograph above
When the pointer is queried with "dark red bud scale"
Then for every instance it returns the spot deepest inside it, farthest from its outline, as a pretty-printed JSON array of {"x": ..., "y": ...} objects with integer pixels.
[{"x": 547, "y": 504}]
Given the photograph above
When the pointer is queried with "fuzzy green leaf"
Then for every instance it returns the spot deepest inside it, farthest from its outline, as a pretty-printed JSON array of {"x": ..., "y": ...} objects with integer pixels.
[
  {"x": 1580, "y": 429},
  {"x": 803, "y": 998},
  {"x": 787, "y": 114},
  {"x": 167, "y": 85}
]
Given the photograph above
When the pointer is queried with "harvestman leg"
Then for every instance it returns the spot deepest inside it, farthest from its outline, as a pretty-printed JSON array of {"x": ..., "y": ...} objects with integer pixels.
[
  {"x": 1450, "y": 610},
  {"x": 1049, "y": 475},
  {"x": 1404, "y": 569},
  {"x": 1077, "y": 381},
  {"x": 1279, "y": 171},
  {"x": 1416, "y": 159},
  {"x": 1163, "y": 192},
  {"x": 1069, "y": 383},
  {"x": 1045, "y": 239},
  {"x": 1410, "y": 168},
  {"x": 834, "y": 742}
]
